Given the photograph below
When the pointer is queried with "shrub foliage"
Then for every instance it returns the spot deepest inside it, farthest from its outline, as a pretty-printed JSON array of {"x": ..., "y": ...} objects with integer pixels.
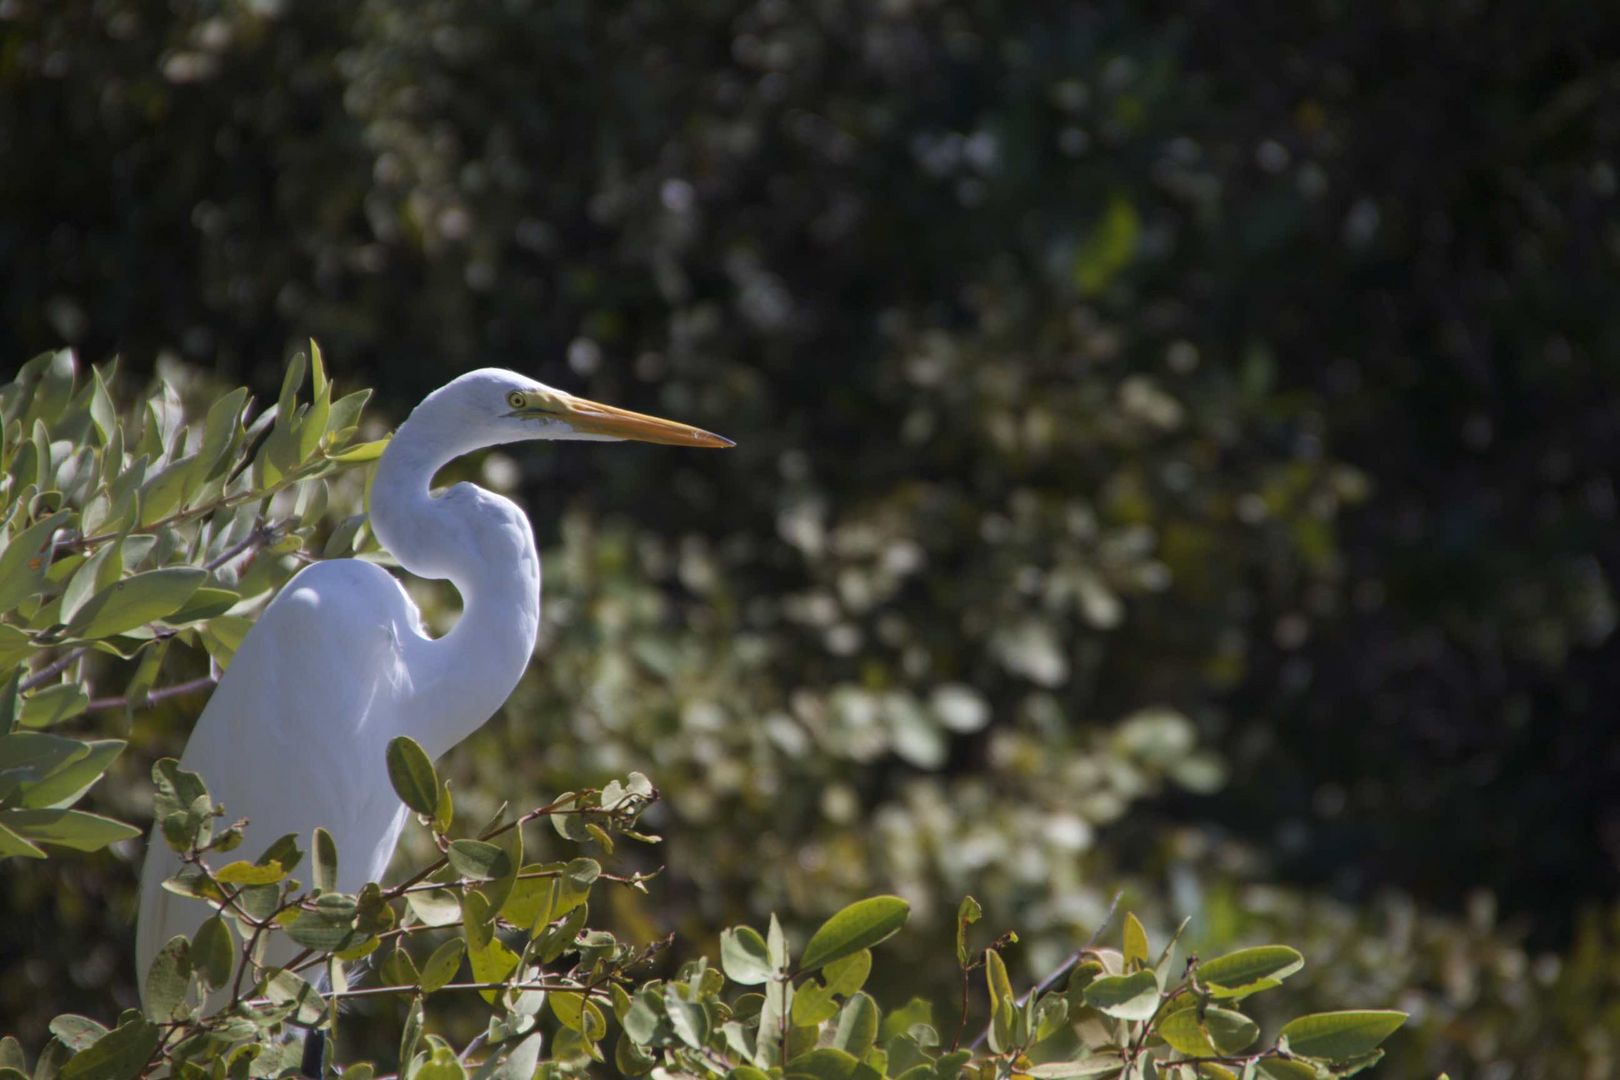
[{"x": 130, "y": 535}]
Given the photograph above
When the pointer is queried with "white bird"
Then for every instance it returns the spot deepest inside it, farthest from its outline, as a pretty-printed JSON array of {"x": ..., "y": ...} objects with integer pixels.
[{"x": 338, "y": 664}]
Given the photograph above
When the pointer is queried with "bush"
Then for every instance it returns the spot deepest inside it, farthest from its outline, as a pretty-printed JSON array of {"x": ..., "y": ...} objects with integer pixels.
[
  {"x": 521, "y": 930},
  {"x": 129, "y": 537}
]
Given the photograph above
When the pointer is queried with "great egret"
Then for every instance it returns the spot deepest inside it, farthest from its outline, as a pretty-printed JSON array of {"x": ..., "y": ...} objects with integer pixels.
[{"x": 338, "y": 664}]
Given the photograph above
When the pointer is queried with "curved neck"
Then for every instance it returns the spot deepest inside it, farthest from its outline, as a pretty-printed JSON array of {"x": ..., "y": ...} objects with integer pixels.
[{"x": 483, "y": 544}]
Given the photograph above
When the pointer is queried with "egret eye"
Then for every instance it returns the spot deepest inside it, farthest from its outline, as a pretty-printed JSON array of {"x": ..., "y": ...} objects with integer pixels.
[{"x": 515, "y": 399}]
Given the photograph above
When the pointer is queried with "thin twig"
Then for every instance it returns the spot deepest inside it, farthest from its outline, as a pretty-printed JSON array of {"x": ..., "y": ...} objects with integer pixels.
[
  {"x": 256, "y": 537},
  {"x": 551, "y": 987},
  {"x": 162, "y": 694},
  {"x": 52, "y": 669}
]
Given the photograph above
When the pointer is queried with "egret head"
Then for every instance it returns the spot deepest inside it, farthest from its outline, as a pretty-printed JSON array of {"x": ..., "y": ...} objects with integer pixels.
[{"x": 493, "y": 405}]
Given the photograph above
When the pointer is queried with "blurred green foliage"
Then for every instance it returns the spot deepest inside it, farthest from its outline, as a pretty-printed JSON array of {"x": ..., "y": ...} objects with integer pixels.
[{"x": 1131, "y": 403}]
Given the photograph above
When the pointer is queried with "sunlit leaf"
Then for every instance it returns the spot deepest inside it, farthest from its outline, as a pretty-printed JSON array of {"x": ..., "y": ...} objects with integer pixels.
[
  {"x": 744, "y": 956},
  {"x": 1124, "y": 997},
  {"x": 1341, "y": 1035},
  {"x": 74, "y": 829},
  {"x": 442, "y": 965},
  {"x": 411, "y": 772},
  {"x": 118, "y": 1055},
  {"x": 859, "y": 926},
  {"x": 136, "y": 601}
]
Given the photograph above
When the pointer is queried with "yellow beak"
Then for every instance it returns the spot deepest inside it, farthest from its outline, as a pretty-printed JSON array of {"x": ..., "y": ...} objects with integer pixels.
[{"x": 594, "y": 418}]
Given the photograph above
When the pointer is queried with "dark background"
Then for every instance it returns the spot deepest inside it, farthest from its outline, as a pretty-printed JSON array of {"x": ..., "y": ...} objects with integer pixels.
[{"x": 1253, "y": 360}]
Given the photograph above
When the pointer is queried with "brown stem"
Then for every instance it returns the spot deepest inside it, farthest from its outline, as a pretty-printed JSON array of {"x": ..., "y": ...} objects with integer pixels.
[
  {"x": 961, "y": 1025},
  {"x": 52, "y": 669},
  {"x": 163, "y": 694}
]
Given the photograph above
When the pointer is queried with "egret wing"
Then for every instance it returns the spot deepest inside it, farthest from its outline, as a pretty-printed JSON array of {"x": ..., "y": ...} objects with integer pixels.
[{"x": 294, "y": 735}]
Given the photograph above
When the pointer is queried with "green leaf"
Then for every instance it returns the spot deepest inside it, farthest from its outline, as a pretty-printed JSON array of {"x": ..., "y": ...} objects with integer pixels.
[
  {"x": 398, "y": 969},
  {"x": 435, "y": 907},
  {"x": 776, "y": 945},
  {"x": 51, "y": 1059},
  {"x": 96, "y": 573},
  {"x": 1229, "y": 1030},
  {"x": 569, "y": 1008},
  {"x": 848, "y": 975},
  {"x": 77, "y": 1033},
  {"x": 826, "y": 1063},
  {"x": 532, "y": 900},
  {"x": 1051, "y": 1016},
  {"x": 1279, "y": 1069},
  {"x": 491, "y": 962},
  {"x": 177, "y": 789},
  {"x": 968, "y": 912},
  {"x": 287, "y": 988},
  {"x": 136, "y": 601},
  {"x": 444, "y": 814},
  {"x": 995, "y": 977},
  {"x": 167, "y": 981},
  {"x": 284, "y": 850},
  {"x": 325, "y": 857},
  {"x": 630, "y": 1060},
  {"x": 1096, "y": 1065},
  {"x": 52, "y": 705},
  {"x": 1124, "y": 997},
  {"x": 15, "y": 645},
  {"x": 11, "y": 1054},
  {"x": 1136, "y": 942},
  {"x": 1108, "y": 248},
  {"x": 857, "y": 1025},
  {"x": 318, "y": 385},
  {"x": 206, "y": 603},
  {"x": 442, "y": 966},
  {"x": 858, "y": 926},
  {"x": 410, "y": 770},
  {"x": 219, "y": 431},
  {"x": 118, "y": 1055},
  {"x": 345, "y": 414},
  {"x": 29, "y": 757},
  {"x": 74, "y": 829},
  {"x": 1244, "y": 968},
  {"x": 411, "y": 1034},
  {"x": 899, "y": 1021},
  {"x": 242, "y": 872},
  {"x": 689, "y": 1018},
  {"x": 642, "y": 1020},
  {"x": 478, "y": 860},
  {"x": 25, "y": 559},
  {"x": 327, "y": 924},
  {"x": 63, "y": 784},
  {"x": 812, "y": 1004},
  {"x": 516, "y": 1062},
  {"x": 102, "y": 413},
  {"x": 1340, "y": 1035},
  {"x": 163, "y": 493},
  {"x": 213, "y": 953},
  {"x": 1185, "y": 1033},
  {"x": 360, "y": 452},
  {"x": 744, "y": 956}
]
